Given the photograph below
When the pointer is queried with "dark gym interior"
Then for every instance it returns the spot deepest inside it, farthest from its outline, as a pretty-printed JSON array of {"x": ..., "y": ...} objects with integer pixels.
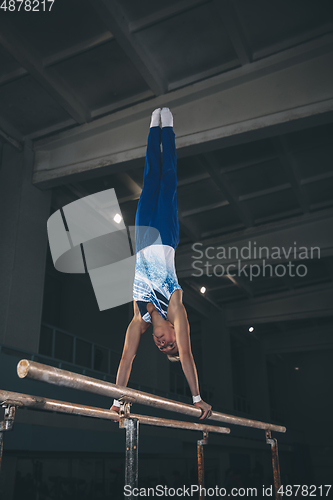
[{"x": 250, "y": 85}]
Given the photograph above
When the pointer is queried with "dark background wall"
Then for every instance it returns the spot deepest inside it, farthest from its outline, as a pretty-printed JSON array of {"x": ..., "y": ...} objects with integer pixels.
[{"x": 250, "y": 86}]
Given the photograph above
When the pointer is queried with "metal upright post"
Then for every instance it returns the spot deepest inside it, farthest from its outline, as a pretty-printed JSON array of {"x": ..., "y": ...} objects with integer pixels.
[
  {"x": 132, "y": 457},
  {"x": 131, "y": 425},
  {"x": 275, "y": 463},
  {"x": 201, "y": 469},
  {"x": 8, "y": 422}
]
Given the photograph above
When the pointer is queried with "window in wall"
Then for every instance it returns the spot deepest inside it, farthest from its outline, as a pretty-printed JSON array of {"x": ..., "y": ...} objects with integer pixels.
[
  {"x": 83, "y": 353},
  {"x": 63, "y": 348},
  {"x": 45, "y": 341}
]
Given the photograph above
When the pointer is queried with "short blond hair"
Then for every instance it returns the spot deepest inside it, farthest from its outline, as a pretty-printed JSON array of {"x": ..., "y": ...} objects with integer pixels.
[{"x": 173, "y": 358}]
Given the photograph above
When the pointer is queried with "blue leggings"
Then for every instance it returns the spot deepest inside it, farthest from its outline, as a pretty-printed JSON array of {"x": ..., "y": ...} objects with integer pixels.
[{"x": 158, "y": 205}]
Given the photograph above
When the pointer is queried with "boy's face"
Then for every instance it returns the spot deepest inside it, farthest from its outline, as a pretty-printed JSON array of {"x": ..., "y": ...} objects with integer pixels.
[{"x": 165, "y": 339}]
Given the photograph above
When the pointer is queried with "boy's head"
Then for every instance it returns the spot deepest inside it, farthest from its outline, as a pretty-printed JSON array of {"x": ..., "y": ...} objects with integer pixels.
[{"x": 165, "y": 339}]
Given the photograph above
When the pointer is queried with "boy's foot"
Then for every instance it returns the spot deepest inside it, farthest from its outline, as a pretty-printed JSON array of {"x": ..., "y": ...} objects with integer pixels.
[
  {"x": 155, "y": 118},
  {"x": 166, "y": 117}
]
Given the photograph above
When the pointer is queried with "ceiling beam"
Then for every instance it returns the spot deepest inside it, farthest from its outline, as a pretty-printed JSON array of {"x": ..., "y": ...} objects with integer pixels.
[
  {"x": 232, "y": 24},
  {"x": 290, "y": 167},
  {"x": 279, "y": 216},
  {"x": 57, "y": 57},
  {"x": 130, "y": 197},
  {"x": 308, "y": 231},
  {"x": 203, "y": 296},
  {"x": 264, "y": 192},
  {"x": 193, "y": 179},
  {"x": 115, "y": 20},
  {"x": 317, "y": 178},
  {"x": 77, "y": 49},
  {"x": 95, "y": 113},
  {"x": 211, "y": 164},
  {"x": 11, "y": 135},
  {"x": 248, "y": 163},
  {"x": 321, "y": 205},
  {"x": 226, "y": 285},
  {"x": 80, "y": 192},
  {"x": 184, "y": 182},
  {"x": 186, "y": 227},
  {"x": 123, "y": 103},
  {"x": 88, "y": 150},
  {"x": 130, "y": 184},
  {"x": 136, "y": 189},
  {"x": 164, "y": 14},
  {"x": 48, "y": 131},
  {"x": 204, "y": 208},
  {"x": 24, "y": 54},
  {"x": 293, "y": 41},
  {"x": 241, "y": 284},
  {"x": 309, "y": 302},
  {"x": 232, "y": 228},
  {"x": 203, "y": 75},
  {"x": 12, "y": 75}
]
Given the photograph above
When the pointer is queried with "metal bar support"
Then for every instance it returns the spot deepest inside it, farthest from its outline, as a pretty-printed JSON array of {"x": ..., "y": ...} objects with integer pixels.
[
  {"x": 275, "y": 463},
  {"x": 201, "y": 469},
  {"x": 131, "y": 425},
  {"x": 8, "y": 421}
]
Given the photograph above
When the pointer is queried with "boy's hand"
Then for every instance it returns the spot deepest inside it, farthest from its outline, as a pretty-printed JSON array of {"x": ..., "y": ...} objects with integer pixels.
[
  {"x": 115, "y": 408},
  {"x": 205, "y": 408}
]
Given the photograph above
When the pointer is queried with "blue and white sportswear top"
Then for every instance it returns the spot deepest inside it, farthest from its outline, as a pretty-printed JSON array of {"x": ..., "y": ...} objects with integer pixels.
[{"x": 155, "y": 279}]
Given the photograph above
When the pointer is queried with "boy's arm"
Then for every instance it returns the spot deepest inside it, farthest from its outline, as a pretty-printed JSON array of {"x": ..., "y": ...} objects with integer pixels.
[
  {"x": 178, "y": 318},
  {"x": 132, "y": 339}
]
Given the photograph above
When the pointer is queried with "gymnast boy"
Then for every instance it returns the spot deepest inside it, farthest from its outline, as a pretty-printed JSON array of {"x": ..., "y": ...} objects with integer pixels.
[{"x": 156, "y": 292}]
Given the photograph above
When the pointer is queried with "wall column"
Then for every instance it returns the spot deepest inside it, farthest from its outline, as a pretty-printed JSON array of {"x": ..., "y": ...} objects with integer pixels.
[{"x": 24, "y": 211}]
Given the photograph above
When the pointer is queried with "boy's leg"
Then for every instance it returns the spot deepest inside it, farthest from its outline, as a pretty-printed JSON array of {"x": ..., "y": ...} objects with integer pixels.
[
  {"x": 151, "y": 178},
  {"x": 168, "y": 205},
  {"x": 151, "y": 181}
]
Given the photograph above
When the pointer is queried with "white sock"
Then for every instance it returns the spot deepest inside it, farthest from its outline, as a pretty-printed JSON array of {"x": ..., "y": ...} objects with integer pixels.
[
  {"x": 155, "y": 118},
  {"x": 166, "y": 117}
]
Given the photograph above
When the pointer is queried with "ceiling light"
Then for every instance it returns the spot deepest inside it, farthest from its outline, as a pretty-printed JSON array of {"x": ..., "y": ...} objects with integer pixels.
[
  {"x": 296, "y": 368},
  {"x": 203, "y": 289},
  {"x": 117, "y": 218},
  {"x": 251, "y": 329}
]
